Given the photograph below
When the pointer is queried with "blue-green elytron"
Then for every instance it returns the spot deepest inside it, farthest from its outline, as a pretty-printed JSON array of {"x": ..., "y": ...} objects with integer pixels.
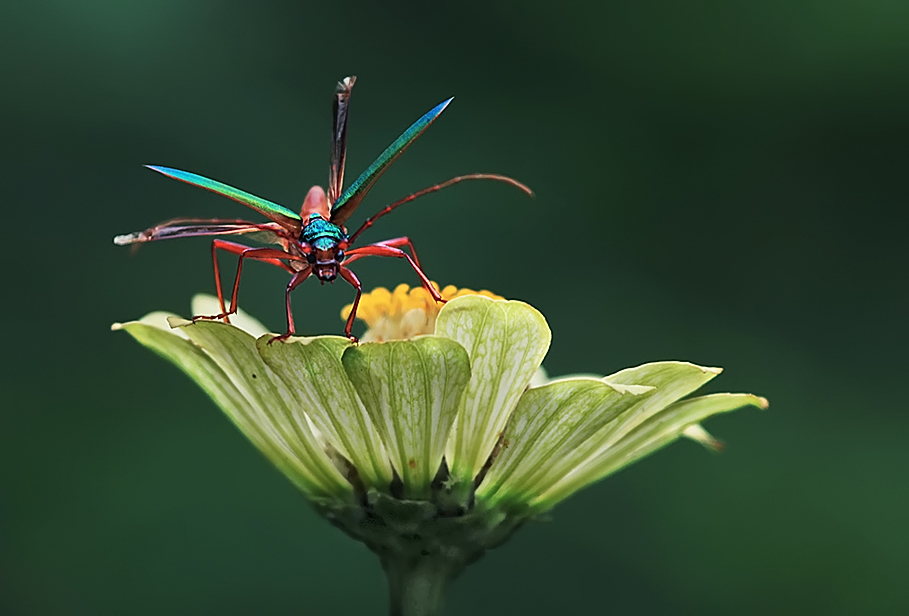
[{"x": 314, "y": 241}]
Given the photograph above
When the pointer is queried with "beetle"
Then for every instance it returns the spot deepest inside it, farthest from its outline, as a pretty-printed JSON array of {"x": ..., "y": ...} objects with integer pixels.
[{"x": 315, "y": 241}]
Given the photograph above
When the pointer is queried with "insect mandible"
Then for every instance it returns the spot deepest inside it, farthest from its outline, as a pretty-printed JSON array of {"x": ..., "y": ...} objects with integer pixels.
[{"x": 315, "y": 241}]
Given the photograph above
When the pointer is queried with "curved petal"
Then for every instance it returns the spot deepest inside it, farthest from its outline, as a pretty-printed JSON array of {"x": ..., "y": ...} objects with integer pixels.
[
  {"x": 506, "y": 342},
  {"x": 548, "y": 425},
  {"x": 412, "y": 390},
  {"x": 657, "y": 431},
  {"x": 316, "y": 383},
  {"x": 558, "y": 427},
  {"x": 240, "y": 384}
]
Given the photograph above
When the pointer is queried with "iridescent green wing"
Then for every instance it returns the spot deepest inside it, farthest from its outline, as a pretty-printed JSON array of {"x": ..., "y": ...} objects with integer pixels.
[
  {"x": 348, "y": 202},
  {"x": 278, "y": 213}
]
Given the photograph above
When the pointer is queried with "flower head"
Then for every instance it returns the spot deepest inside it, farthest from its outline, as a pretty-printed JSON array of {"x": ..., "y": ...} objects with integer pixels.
[
  {"x": 433, "y": 443},
  {"x": 404, "y": 313}
]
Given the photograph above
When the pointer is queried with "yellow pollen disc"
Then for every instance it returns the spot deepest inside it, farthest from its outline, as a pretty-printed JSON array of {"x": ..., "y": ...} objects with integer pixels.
[{"x": 405, "y": 312}]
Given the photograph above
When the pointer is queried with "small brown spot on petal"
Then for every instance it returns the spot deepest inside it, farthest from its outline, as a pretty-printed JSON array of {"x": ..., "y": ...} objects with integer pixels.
[{"x": 412, "y": 463}]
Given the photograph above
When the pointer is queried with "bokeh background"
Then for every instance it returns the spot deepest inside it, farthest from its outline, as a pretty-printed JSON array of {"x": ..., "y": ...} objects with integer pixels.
[{"x": 724, "y": 183}]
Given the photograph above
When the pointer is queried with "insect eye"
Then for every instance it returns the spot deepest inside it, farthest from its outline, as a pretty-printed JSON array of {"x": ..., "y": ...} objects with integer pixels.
[
  {"x": 311, "y": 257},
  {"x": 339, "y": 255}
]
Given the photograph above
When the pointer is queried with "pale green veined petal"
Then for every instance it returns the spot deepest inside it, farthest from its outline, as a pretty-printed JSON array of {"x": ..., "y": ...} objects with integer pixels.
[
  {"x": 316, "y": 383},
  {"x": 657, "y": 431},
  {"x": 412, "y": 390},
  {"x": 204, "y": 304},
  {"x": 302, "y": 461},
  {"x": 235, "y": 352},
  {"x": 506, "y": 342},
  {"x": 548, "y": 425},
  {"x": 672, "y": 380},
  {"x": 698, "y": 434},
  {"x": 560, "y": 426}
]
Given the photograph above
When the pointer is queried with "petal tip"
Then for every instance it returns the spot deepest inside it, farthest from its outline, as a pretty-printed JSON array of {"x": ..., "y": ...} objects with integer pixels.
[
  {"x": 698, "y": 434},
  {"x": 115, "y": 327},
  {"x": 176, "y": 322},
  {"x": 763, "y": 403}
]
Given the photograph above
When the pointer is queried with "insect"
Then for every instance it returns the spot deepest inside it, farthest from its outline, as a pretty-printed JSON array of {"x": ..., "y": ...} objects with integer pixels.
[{"x": 315, "y": 241}]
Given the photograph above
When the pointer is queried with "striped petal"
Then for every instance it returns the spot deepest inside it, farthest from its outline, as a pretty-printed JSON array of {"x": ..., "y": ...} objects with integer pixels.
[
  {"x": 223, "y": 361},
  {"x": 559, "y": 427},
  {"x": 506, "y": 342},
  {"x": 658, "y": 430},
  {"x": 412, "y": 390},
  {"x": 315, "y": 382}
]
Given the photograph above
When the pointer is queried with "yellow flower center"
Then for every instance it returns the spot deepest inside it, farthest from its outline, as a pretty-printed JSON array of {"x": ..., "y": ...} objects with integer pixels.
[{"x": 405, "y": 312}]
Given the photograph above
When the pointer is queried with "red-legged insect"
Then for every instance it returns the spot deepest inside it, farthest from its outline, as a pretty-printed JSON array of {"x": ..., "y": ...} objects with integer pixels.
[{"x": 315, "y": 241}]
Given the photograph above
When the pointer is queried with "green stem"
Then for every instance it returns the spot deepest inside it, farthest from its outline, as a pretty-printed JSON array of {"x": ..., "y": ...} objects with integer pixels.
[{"x": 417, "y": 586}]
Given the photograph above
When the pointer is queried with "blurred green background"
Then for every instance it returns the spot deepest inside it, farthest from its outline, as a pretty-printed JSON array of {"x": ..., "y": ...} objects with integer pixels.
[{"x": 724, "y": 183}]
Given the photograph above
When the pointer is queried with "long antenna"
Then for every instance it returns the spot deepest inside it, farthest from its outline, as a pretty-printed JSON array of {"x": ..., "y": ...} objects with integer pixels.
[{"x": 435, "y": 188}]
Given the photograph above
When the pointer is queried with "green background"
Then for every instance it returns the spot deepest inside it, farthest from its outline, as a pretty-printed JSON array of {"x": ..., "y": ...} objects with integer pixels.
[{"x": 719, "y": 182}]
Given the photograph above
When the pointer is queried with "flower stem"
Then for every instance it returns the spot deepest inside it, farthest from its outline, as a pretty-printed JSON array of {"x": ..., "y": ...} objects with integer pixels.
[{"x": 417, "y": 586}]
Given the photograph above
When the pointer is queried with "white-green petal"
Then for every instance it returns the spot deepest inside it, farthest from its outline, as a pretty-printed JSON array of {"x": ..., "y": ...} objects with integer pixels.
[
  {"x": 560, "y": 426},
  {"x": 236, "y": 353},
  {"x": 302, "y": 461},
  {"x": 506, "y": 342},
  {"x": 698, "y": 434},
  {"x": 316, "y": 383},
  {"x": 671, "y": 381},
  {"x": 547, "y": 427},
  {"x": 412, "y": 390},
  {"x": 657, "y": 431}
]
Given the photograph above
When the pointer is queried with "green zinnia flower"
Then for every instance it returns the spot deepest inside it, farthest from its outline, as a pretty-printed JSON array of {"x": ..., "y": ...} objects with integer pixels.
[{"x": 435, "y": 448}]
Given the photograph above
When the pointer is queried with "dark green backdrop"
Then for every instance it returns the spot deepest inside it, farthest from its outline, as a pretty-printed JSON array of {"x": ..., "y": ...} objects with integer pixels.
[{"x": 718, "y": 182}]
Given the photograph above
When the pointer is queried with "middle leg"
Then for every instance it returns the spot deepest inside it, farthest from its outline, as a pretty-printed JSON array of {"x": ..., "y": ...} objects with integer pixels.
[
  {"x": 272, "y": 256},
  {"x": 299, "y": 277}
]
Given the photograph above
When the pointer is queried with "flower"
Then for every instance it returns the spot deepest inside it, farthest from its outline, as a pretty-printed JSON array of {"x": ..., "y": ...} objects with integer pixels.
[{"x": 436, "y": 444}]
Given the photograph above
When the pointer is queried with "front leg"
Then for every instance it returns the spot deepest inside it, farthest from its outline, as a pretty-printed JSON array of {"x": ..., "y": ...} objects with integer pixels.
[
  {"x": 383, "y": 250},
  {"x": 400, "y": 242},
  {"x": 298, "y": 277},
  {"x": 352, "y": 279}
]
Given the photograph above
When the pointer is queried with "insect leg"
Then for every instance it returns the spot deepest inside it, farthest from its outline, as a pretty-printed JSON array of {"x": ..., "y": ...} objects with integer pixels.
[
  {"x": 236, "y": 249},
  {"x": 351, "y": 278},
  {"x": 272, "y": 256},
  {"x": 400, "y": 242},
  {"x": 382, "y": 250},
  {"x": 298, "y": 277}
]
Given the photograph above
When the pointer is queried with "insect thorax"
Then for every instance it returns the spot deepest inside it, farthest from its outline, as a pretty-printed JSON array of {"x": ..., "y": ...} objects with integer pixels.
[{"x": 322, "y": 234}]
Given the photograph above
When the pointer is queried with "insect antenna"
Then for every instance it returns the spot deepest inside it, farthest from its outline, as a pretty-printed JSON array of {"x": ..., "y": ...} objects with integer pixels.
[{"x": 435, "y": 188}]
